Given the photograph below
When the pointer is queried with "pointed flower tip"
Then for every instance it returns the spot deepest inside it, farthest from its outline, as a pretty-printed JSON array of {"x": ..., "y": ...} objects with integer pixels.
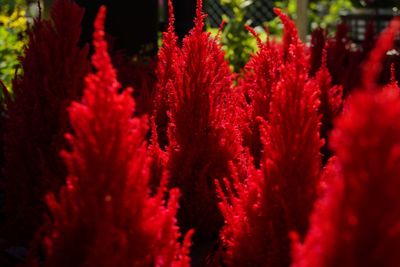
[
  {"x": 171, "y": 16},
  {"x": 100, "y": 19},
  {"x": 220, "y": 29},
  {"x": 289, "y": 25},
  {"x": 278, "y": 11},
  {"x": 199, "y": 9},
  {"x": 283, "y": 17},
  {"x": 255, "y": 34},
  {"x": 200, "y": 16},
  {"x": 99, "y": 34},
  {"x": 101, "y": 59}
]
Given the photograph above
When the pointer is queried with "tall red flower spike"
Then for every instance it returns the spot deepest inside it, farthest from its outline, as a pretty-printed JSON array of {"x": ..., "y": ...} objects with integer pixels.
[
  {"x": 373, "y": 66},
  {"x": 54, "y": 68},
  {"x": 293, "y": 49},
  {"x": 105, "y": 215},
  {"x": 259, "y": 77},
  {"x": 350, "y": 227},
  {"x": 343, "y": 61},
  {"x": 393, "y": 81},
  {"x": 202, "y": 134},
  {"x": 294, "y": 136},
  {"x": 317, "y": 45},
  {"x": 356, "y": 222},
  {"x": 279, "y": 197},
  {"x": 331, "y": 101},
  {"x": 255, "y": 231},
  {"x": 326, "y": 214},
  {"x": 168, "y": 70}
]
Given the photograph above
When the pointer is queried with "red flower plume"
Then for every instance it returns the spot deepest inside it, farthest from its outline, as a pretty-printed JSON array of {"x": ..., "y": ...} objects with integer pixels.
[
  {"x": 278, "y": 198},
  {"x": 356, "y": 222},
  {"x": 331, "y": 98},
  {"x": 201, "y": 133},
  {"x": 293, "y": 135},
  {"x": 373, "y": 66},
  {"x": 358, "y": 225},
  {"x": 259, "y": 77},
  {"x": 168, "y": 70},
  {"x": 317, "y": 45},
  {"x": 54, "y": 68},
  {"x": 105, "y": 215},
  {"x": 255, "y": 231}
]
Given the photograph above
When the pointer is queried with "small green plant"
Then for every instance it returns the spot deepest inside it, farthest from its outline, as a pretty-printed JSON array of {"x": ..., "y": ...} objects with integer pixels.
[
  {"x": 322, "y": 13},
  {"x": 326, "y": 13},
  {"x": 237, "y": 42},
  {"x": 13, "y": 25}
]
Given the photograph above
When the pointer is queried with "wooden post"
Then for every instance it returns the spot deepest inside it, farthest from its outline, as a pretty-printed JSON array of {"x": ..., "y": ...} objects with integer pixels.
[{"x": 302, "y": 18}]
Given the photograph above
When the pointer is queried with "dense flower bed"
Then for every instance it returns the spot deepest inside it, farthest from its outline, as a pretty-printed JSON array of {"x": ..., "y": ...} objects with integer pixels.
[{"x": 293, "y": 162}]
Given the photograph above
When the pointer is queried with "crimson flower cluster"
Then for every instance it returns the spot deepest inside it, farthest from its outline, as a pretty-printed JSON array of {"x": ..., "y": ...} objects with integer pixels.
[
  {"x": 294, "y": 161},
  {"x": 105, "y": 214}
]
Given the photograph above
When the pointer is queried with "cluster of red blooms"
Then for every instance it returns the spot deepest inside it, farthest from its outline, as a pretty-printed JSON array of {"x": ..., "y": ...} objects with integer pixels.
[
  {"x": 200, "y": 127},
  {"x": 283, "y": 166},
  {"x": 345, "y": 59},
  {"x": 105, "y": 209}
]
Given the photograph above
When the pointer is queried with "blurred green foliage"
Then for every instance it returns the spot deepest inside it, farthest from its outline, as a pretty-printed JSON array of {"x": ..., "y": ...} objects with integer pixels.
[
  {"x": 326, "y": 13},
  {"x": 13, "y": 25},
  {"x": 322, "y": 13},
  {"x": 237, "y": 42}
]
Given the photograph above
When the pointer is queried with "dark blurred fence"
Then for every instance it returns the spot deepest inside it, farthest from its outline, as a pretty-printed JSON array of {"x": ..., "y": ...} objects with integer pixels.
[
  {"x": 359, "y": 19},
  {"x": 259, "y": 12}
]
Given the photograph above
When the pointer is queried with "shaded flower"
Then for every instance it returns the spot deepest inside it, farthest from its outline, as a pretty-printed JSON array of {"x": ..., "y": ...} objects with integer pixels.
[
  {"x": 105, "y": 215},
  {"x": 356, "y": 221},
  {"x": 53, "y": 73},
  {"x": 196, "y": 83}
]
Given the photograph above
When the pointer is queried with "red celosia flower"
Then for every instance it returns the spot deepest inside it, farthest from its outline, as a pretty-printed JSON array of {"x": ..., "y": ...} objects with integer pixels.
[
  {"x": 344, "y": 60},
  {"x": 356, "y": 222},
  {"x": 393, "y": 81},
  {"x": 202, "y": 136},
  {"x": 53, "y": 73},
  {"x": 168, "y": 69},
  {"x": 373, "y": 66},
  {"x": 331, "y": 101},
  {"x": 278, "y": 198},
  {"x": 292, "y": 48},
  {"x": 323, "y": 220},
  {"x": 350, "y": 227},
  {"x": 331, "y": 95},
  {"x": 294, "y": 136},
  {"x": 318, "y": 40},
  {"x": 260, "y": 75},
  {"x": 255, "y": 231},
  {"x": 105, "y": 215}
]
